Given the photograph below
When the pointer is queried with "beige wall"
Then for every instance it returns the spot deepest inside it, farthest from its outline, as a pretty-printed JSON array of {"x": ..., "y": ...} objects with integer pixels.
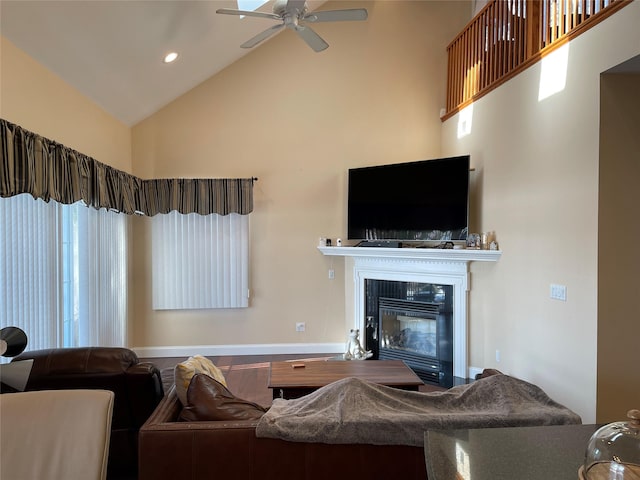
[
  {"x": 298, "y": 120},
  {"x": 537, "y": 166},
  {"x": 618, "y": 257},
  {"x": 38, "y": 100}
]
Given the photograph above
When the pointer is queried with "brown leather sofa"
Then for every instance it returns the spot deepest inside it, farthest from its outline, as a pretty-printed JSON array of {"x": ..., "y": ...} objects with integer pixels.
[
  {"x": 137, "y": 387},
  {"x": 171, "y": 449}
]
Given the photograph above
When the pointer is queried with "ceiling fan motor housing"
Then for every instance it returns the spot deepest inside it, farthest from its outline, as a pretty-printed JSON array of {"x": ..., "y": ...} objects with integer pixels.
[{"x": 280, "y": 7}]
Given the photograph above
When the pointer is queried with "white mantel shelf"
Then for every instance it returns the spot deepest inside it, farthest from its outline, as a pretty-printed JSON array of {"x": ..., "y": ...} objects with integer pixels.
[{"x": 434, "y": 254}]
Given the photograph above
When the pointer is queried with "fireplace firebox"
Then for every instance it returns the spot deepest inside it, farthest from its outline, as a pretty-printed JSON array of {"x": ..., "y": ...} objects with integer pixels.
[{"x": 412, "y": 322}]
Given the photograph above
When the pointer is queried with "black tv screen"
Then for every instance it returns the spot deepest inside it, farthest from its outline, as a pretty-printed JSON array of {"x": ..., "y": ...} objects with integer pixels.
[{"x": 417, "y": 201}]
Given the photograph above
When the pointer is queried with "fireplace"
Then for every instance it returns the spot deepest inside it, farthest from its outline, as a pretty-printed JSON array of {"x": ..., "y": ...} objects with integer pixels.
[
  {"x": 412, "y": 322},
  {"x": 445, "y": 267}
]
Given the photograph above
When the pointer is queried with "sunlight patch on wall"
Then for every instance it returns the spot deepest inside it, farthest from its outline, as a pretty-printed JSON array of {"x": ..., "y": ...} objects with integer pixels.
[
  {"x": 465, "y": 120},
  {"x": 553, "y": 73}
]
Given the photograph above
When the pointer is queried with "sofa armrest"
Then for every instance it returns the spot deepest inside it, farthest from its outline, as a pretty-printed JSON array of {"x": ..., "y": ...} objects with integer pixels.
[
  {"x": 169, "y": 448},
  {"x": 166, "y": 411},
  {"x": 165, "y": 418},
  {"x": 145, "y": 390}
]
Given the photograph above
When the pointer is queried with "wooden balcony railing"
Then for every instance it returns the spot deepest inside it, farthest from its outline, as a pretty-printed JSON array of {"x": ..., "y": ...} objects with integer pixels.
[{"x": 507, "y": 36}]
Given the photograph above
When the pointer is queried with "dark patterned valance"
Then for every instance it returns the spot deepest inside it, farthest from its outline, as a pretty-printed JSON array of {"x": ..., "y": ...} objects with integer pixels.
[{"x": 47, "y": 170}]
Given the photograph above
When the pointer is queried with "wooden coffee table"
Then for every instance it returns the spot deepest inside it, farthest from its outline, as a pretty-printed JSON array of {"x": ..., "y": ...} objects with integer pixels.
[{"x": 297, "y": 378}]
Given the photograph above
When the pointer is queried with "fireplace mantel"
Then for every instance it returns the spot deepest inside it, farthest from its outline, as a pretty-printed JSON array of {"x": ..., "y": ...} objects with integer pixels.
[
  {"x": 422, "y": 265},
  {"x": 443, "y": 254}
]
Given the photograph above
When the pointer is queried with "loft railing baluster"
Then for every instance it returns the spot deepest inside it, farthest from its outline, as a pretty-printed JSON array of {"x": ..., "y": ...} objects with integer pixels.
[
  {"x": 456, "y": 68},
  {"x": 513, "y": 39},
  {"x": 494, "y": 43},
  {"x": 479, "y": 60},
  {"x": 547, "y": 25},
  {"x": 459, "y": 96},
  {"x": 466, "y": 67},
  {"x": 508, "y": 34},
  {"x": 452, "y": 68},
  {"x": 472, "y": 60},
  {"x": 500, "y": 35},
  {"x": 475, "y": 61},
  {"x": 449, "y": 103},
  {"x": 505, "y": 38},
  {"x": 460, "y": 71},
  {"x": 485, "y": 51}
]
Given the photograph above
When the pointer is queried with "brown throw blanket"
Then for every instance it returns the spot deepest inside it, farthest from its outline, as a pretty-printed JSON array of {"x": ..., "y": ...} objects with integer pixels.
[{"x": 356, "y": 411}]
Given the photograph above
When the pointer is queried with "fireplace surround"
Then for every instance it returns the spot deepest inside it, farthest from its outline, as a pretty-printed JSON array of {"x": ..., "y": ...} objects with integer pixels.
[{"x": 443, "y": 267}]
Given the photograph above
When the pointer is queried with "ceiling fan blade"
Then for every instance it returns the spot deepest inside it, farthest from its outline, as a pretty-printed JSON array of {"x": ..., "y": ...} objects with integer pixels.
[
  {"x": 248, "y": 13},
  {"x": 262, "y": 36},
  {"x": 312, "y": 38},
  {"x": 347, "y": 15}
]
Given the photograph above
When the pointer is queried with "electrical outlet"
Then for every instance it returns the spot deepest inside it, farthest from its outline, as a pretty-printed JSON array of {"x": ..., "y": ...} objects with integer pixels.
[
  {"x": 300, "y": 326},
  {"x": 332, "y": 274},
  {"x": 558, "y": 292},
  {"x": 497, "y": 356}
]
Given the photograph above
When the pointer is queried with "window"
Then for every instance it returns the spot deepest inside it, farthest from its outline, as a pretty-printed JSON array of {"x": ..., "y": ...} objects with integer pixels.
[
  {"x": 63, "y": 273},
  {"x": 200, "y": 261}
]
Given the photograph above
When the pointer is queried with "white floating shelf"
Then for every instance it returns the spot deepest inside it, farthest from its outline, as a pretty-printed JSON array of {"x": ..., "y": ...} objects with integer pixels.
[{"x": 441, "y": 254}]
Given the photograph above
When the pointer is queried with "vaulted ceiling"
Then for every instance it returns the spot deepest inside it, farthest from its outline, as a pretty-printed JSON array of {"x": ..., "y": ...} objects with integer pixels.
[{"x": 112, "y": 51}]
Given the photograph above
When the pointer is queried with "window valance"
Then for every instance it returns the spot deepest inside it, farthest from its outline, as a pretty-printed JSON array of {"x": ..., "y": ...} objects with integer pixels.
[{"x": 48, "y": 170}]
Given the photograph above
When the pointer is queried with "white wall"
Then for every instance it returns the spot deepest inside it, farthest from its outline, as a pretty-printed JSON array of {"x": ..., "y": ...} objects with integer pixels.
[{"x": 537, "y": 165}]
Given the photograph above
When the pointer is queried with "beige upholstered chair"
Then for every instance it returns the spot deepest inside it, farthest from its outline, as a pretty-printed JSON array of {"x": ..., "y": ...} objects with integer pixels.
[{"x": 55, "y": 434}]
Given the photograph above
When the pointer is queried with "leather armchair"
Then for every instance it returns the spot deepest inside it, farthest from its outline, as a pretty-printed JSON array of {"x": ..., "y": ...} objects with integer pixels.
[{"x": 137, "y": 387}]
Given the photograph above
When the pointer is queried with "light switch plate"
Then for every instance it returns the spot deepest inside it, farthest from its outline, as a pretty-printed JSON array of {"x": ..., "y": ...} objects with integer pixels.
[{"x": 558, "y": 292}]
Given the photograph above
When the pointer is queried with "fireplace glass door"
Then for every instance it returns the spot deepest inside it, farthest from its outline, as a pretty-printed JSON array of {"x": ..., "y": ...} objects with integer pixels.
[
  {"x": 409, "y": 326},
  {"x": 412, "y": 322}
]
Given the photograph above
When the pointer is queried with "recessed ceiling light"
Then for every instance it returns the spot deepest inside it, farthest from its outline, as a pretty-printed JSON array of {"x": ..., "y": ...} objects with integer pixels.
[{"x": 170, "y": 57}]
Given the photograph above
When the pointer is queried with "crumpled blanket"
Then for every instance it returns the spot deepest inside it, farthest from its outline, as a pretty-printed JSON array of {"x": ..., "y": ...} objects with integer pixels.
[{"x": 353, "y": 410}]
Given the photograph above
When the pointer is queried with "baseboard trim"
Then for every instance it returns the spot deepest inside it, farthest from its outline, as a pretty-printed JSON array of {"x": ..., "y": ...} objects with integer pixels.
[
  {"x": 251, "y": 349},
  {"x": 473, "y": 371}
]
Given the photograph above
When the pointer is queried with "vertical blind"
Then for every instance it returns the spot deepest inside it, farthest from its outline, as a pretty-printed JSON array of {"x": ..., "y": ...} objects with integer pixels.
[
  {"x": 200, "y": 261},
  {"x": 63, "y": 273},
  {"x": 102, "y": 277},
  {"x": 29, "y": 275}
]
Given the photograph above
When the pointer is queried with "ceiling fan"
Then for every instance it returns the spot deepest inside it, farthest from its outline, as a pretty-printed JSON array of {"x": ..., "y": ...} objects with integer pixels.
[{"x": 293, "y": 14}]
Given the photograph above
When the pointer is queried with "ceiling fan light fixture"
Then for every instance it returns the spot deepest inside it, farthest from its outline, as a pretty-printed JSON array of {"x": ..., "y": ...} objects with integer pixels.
[
  {"x": 293, "y": 14},
  {"x": 170, "y": 57}
]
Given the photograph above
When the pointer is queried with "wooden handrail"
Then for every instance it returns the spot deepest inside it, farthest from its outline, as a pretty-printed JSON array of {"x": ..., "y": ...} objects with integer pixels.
[{"x": 507, "y": 36}]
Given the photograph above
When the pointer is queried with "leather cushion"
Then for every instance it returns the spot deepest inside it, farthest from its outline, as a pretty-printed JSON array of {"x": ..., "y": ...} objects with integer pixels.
[{"x": 209, "y": 400}]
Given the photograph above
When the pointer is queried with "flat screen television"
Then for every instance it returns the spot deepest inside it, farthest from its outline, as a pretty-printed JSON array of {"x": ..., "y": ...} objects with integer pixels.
[{"x": 425, "y": 200}]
